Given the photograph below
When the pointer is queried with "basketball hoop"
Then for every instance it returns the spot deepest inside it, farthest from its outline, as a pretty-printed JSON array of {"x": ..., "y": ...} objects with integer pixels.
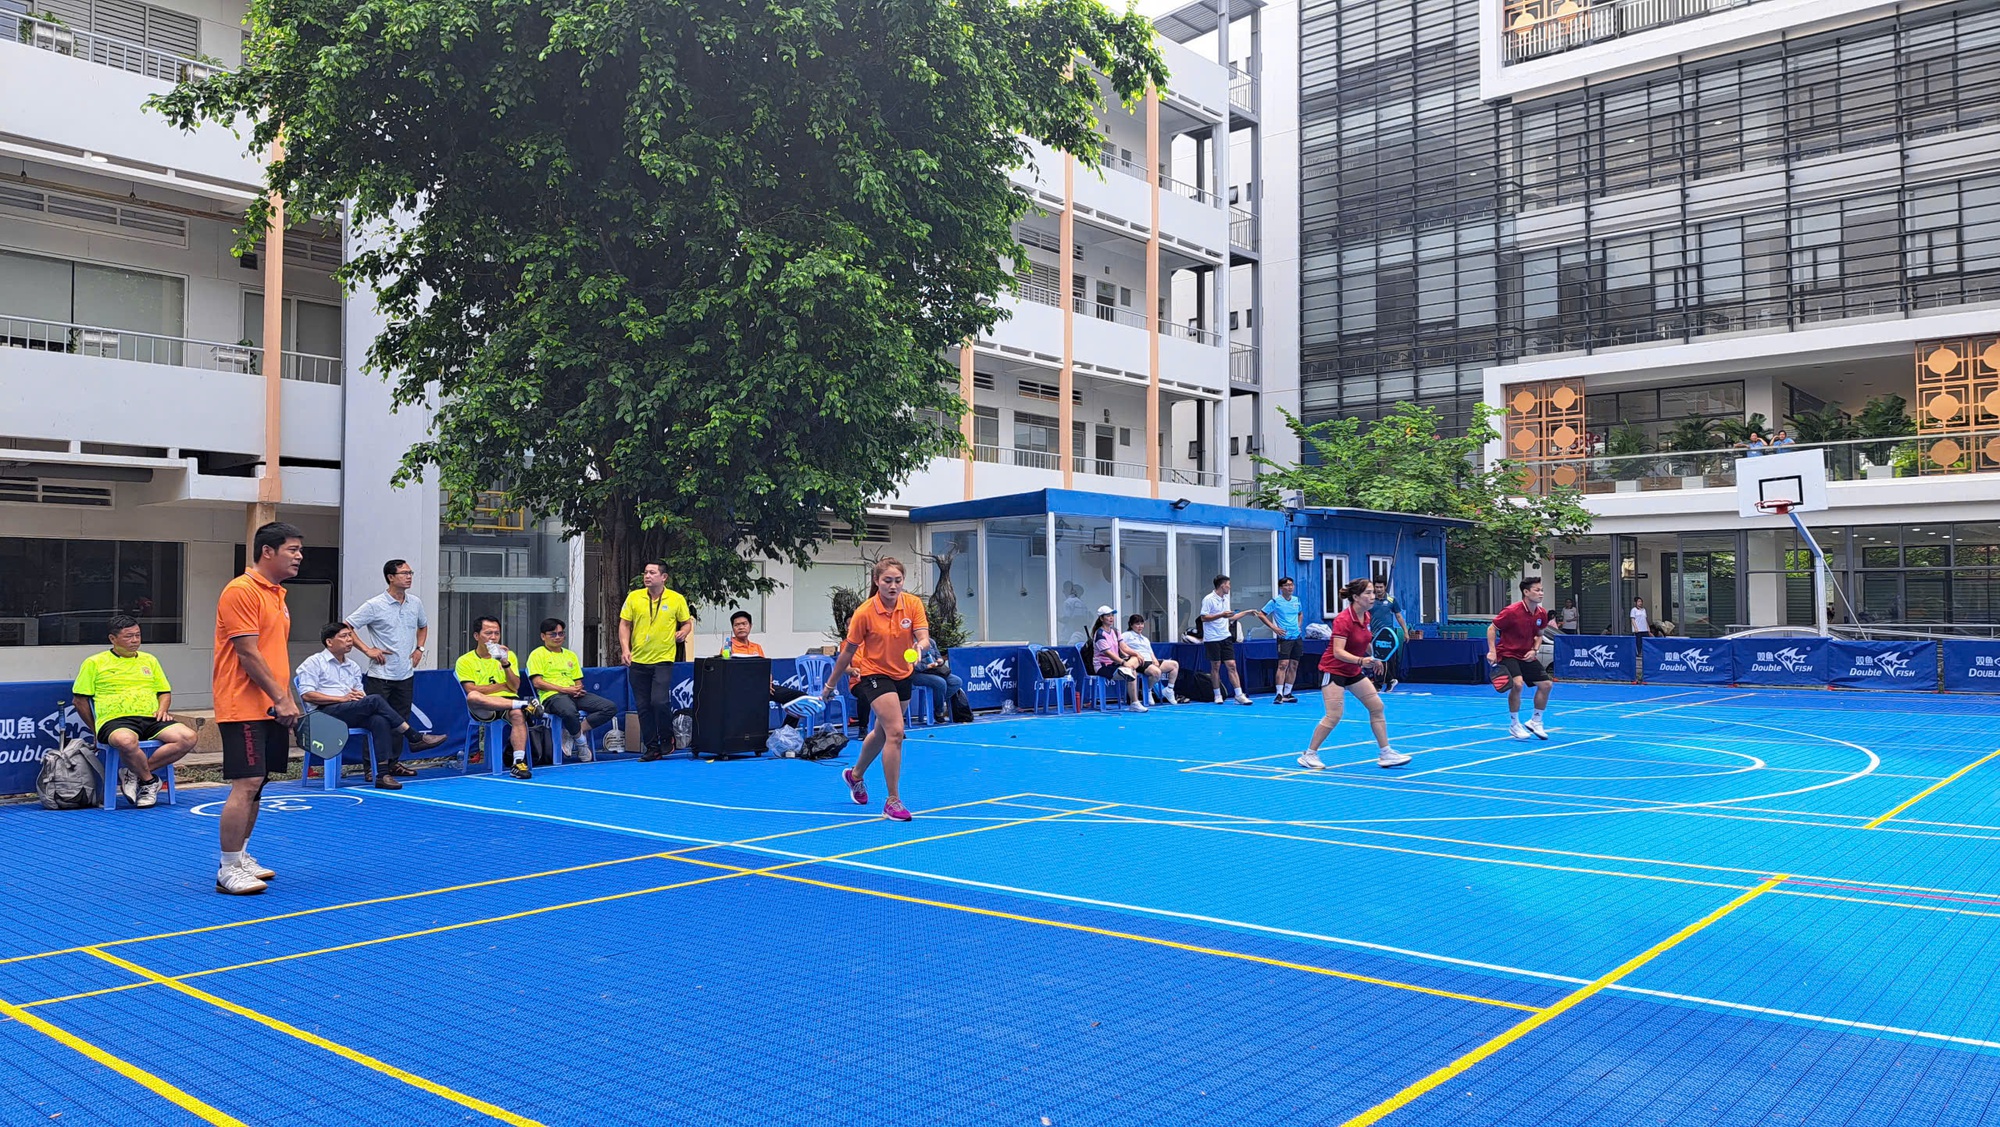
[{"x": 1776, "y": 508}]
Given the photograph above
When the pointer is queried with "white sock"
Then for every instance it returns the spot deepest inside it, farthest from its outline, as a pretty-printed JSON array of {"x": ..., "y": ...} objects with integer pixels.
[
  {"x": 1283, "y": 689},
  {"x": 1517, "y": 717},
  {"x": 1538, "y": 716},
  {"x": 231, "y": 860}
]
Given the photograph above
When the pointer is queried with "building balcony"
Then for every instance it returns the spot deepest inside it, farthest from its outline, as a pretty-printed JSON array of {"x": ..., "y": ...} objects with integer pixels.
[
  {"x": 1051, "y": 461},
  {"x": 1245, "y": 374},
  {"x": 112, "y": 386},
  {"x": 102, "y": 113},
  {"x": 1535, "y": 29}
]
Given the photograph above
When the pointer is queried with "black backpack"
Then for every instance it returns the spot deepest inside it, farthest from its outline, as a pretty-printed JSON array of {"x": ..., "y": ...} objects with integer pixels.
[
  {"x": 961, "y": 708},
  {"x": 70, "y": 778},
  {"x": 1051, "y": 664},
  {"x": 1194, "y": 685},
  {"x": 823, "y": 744}
]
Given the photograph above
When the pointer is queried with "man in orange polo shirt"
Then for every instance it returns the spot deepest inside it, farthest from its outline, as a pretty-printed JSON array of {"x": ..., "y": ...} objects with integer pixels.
[{"x": 254, "y": 708}]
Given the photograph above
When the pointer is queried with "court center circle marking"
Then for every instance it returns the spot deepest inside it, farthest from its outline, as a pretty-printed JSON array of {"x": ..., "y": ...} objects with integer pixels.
[
  {"x": 1754, "y": 764},
  {"x": 278, "y": 804}
]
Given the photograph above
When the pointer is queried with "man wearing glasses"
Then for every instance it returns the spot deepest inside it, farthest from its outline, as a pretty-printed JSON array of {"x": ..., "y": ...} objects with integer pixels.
[
  {"x": 557, "y": 674},
  {"x": 391, "y": 630}
]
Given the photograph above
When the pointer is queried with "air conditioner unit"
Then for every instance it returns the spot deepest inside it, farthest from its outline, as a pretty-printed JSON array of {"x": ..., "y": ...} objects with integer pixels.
[{"x": 1305, "y": 549}]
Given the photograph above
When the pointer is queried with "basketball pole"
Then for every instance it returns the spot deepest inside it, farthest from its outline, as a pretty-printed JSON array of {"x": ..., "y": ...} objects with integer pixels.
[{"x": 1819, "y": 570}]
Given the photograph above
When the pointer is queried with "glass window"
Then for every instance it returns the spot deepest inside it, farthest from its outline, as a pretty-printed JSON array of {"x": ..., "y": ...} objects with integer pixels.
[
  {"x": 1430, "y": 582},
  {"x": 1083, "y": 575},
  {"x": 128, "y": 299},
  {"x": 1333, "y": 576},
  {"x": 34, "y": 288},
  {"x": 504, "y": 567},
  {"x": 1251, "y": 583},
  {"x": 1197, "y": 561},
  {"x": 812, "y": 594},
  {"x": 958, "y": 551},
  {"x": 1142, "y": 581},
  {"x": 64, "y": 592},
  {"x": 1017, "y": 560}
]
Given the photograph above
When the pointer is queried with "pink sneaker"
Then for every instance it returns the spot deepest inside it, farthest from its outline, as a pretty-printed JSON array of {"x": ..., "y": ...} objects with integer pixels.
[
  {"x": 894, "y": 808},
  {"x": 855, "y": 785}
]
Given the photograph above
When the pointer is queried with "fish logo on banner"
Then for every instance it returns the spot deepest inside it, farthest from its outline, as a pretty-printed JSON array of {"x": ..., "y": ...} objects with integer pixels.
[
  {"x": 994, "y": 676},
  {"x": 1894, "y": 667},
  {"x": 1596, "y": 657},
  {"x": 1688, "y": 659},
  {"x": 1788, "y": 660},
  {"x": 682, "y": 696}
]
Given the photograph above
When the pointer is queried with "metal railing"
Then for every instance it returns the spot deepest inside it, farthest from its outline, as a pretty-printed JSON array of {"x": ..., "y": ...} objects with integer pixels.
[
  {"x": 1085, "y": 464},
  {"x": 111, "y": 51},
  {"x": 1535, "y": 28},
  {"x": 1192, "y": 477},
  {"x": 1243, "y": 371},
  {"x": 1858, "y": 459},
  {"x": 1191, "y": 191},
  {"x": 1129, "y": 167},
  {"x": 1041, "y": 294},
  {"x": 1242, "y": 91},
  {"x": 151, "y": 348},
  {"x": 1194, "y": 333},
  {"x": 1242, "y": 228},
  {"x": 1105, "y": 312}
]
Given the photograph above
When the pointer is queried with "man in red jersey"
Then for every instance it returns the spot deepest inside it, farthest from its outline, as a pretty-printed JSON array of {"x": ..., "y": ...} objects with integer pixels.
[{"x": 1511, "y": 643}]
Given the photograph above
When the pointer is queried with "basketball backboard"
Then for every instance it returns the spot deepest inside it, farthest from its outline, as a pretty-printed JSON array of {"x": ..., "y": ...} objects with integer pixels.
[{"x": 1798, "y": 477}]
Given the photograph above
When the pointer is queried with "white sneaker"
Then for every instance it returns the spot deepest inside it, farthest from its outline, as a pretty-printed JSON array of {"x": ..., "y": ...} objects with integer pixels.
[
  {"x": 237, "y": 881},
  {"x": 149, "y": 793},
  {"x": 1390, "y": 757},
  {"x": 1167, "y": 695},
  {"x": 128, "y": 785},
  {"x": 1218, "y": 698},
  {"x": 1241, "y": 698},
  {"x": 1140, "y": 705},
  {"x": 1535, "y": 727},
  {"x": 1518, "y": 731},
  {"x": 256, "y": 869},
  {"x": 582, "y": 752},
  {"x": 1311, "y": 760}
]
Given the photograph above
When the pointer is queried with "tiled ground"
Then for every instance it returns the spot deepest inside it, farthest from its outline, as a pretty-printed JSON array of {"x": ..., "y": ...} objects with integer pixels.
[{"x": 1100, "y": 919}]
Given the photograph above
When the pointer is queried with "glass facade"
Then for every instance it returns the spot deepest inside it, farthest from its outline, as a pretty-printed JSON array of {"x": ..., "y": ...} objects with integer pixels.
[
  {"x": 501, "y": 567},
  {"x": 64, "y": 592},
  {"x": 1442, "y": 234}
]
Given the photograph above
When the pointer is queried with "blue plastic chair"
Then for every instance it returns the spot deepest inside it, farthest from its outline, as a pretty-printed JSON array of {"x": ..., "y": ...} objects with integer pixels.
[
  {"x": 817, "y": 667},
  {"x": 917, "y": 713},
  {"x": 1098, "y": 692},
  {"x": 1050, "y": 691},
  {"x": 112, "y": 761}
]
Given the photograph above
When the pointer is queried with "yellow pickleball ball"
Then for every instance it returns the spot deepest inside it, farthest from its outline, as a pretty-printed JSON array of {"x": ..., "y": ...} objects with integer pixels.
[{"x": 909, "y": 655}]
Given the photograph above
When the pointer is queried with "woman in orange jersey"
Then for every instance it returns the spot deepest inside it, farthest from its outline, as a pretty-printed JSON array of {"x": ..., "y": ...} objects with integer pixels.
[{"x": 883, "y": 638}]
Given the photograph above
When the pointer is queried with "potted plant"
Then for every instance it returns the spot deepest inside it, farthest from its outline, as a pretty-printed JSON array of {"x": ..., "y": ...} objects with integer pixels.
[
  {"x": 1625, "y": 446},
  {"x": 1736, "y": 432},
  {"x": 199, "y": 67},
  {"x": 1885, "y": 416},
  {"x": 47, "y": 31},
  {"x": 1826, "y": 427},
  {"x": 1697, "y": 438}
]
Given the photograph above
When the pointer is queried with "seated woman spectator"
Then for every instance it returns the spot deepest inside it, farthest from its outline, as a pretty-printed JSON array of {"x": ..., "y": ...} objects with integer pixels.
[
  {"x": 1135, "y": 646},
  {"x": 1108, "y": 658},
  {"x": 933, "y": 672}
]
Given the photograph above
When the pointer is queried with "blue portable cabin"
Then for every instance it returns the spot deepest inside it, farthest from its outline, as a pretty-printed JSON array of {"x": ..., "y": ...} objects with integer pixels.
[{"x": 1157, "y": 557}]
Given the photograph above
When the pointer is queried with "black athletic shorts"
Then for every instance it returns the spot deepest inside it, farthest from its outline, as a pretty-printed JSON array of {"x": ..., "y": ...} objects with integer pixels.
[
  {"x": 866, "y": 689},
  {"x": 1528, "y": 669},
  {"x": 1291, "y": 649},
  {"x": 1225, "y": 650},
  {"x": 144, "y": 727},
  {"x": 255, "y": 749},
  {"x": 1346, "y": 679}
]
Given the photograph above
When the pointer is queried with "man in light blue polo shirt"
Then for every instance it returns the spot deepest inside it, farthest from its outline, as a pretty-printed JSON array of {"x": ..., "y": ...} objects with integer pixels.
[
  {"x": 1282, "y": 614},
  {"x": 391, "y": 630},
  {"x": 1387, "y": 614}
]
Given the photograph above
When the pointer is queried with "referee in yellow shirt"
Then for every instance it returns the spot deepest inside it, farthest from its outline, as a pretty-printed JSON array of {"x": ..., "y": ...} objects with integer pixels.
[{"x": 651, "y": 626}]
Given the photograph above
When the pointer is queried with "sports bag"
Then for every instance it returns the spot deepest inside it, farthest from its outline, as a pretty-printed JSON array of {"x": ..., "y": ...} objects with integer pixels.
[
  {"x": 1194, "y": 685},
  {"x": 70, "y": 778},
  {"x": 961, "y": 708},
  {"x": 1051, "y": 664},
  {"x": 823, "y": 744}
]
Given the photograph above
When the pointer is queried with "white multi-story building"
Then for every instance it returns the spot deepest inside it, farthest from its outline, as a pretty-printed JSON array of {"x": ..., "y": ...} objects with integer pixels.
[{"x": 147, "y": 431}]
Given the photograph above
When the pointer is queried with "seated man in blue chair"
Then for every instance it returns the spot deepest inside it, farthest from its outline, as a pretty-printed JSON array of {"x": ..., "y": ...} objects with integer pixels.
[
  {"x": 556, "y": 672},
  {"x": 122, "y": 695},
  {"x": 330, "y": 682},
  {"x": 933, "y": 672},
  {"x": 490, "y": 674}
]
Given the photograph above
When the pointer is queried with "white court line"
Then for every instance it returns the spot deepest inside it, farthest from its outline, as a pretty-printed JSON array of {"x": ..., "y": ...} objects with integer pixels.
[
  {"x": 1355, "y": 743},
  {"x": 1688, "y": 704},
  {"x": 1425, "y": 956},
  {"x": 1625, "y": 703},
  {"x": 856, "y": 815},
  {"x": 1473, "y": 763}
]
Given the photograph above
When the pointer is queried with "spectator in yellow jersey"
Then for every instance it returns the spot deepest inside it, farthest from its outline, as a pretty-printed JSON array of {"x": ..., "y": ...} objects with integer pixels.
[
  {"x": 557, "y": 674},
  {"x": 491, "y": 677},
  {"x": 122, "y": 695},
  {"x": 651, "y": 626}
]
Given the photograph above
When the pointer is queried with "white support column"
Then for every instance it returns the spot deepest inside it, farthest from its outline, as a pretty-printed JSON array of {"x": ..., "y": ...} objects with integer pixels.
[{"x": 1049, "y": 556}]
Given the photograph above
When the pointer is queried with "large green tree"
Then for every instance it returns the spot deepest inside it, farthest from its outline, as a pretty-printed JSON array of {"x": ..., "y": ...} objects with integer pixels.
[
  {"x": 680, "y": 273},
  {"x": 1405, "y": 462}
]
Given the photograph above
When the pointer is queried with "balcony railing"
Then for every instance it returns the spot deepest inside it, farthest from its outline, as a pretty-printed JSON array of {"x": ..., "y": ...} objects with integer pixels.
[
  {"x": 110, "y": 51},
  {"x": 1859, "y": 459},
  {"x": 1129, "y": 167},
  {"x": 1243, "y": 371},
  {"x": 1097, "y": 467},
  {"x": 1041, "y": 294},
  {"x": 1183, "y": 188},
  {"x": 1105, "y": 312},
  {"x": 1242, "y": 228},
  {"x": 1194, "y": 333},
  {"x": 1536, "y": 28},
  {"x": 150, "y": 348},
  {"x": 1242, "y": 90}
]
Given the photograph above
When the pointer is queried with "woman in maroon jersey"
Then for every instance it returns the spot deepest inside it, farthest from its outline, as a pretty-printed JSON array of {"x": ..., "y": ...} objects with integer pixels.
[
  {"x": 1511, "y": 643},
  {"x": 1344, "y": 668}
]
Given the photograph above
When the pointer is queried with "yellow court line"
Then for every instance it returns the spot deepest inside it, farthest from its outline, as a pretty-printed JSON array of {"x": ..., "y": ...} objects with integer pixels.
[
  {"x": 334, "y": 1047},
  {"x": 474, "y": 884},
  {"x": 1108, "y": 933},
  {"x": 131, "y": 1072},
  {"x": 733, "y": 872},
  {"x": 1929, "y": 790},
  {"x": 1543, "y": 1017}
]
